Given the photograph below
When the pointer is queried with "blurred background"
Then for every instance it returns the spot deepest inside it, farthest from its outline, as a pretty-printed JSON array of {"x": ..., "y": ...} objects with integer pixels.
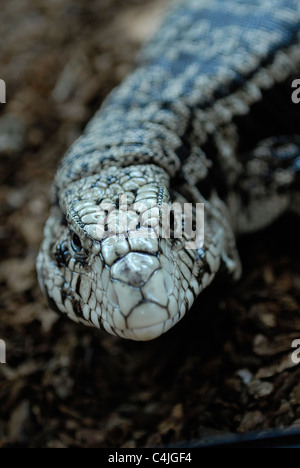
[{"x": 225, "y": 368}]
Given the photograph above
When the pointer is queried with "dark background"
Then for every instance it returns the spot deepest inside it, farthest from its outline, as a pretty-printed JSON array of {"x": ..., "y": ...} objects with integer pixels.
[{"x": 226, "y": 367}]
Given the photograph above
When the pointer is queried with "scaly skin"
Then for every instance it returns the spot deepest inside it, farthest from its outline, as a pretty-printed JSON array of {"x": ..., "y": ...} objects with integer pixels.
[
  {"x": 174, "y": 131},
  {"x": 136, "y": 285}
]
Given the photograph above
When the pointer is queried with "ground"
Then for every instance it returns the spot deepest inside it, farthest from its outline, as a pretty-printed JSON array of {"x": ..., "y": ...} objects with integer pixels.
[{"x": 227, "y": 367}]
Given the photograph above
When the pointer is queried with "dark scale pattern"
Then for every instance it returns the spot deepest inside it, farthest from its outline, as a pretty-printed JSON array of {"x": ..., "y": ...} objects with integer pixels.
[{"x": 188, "y": 66}]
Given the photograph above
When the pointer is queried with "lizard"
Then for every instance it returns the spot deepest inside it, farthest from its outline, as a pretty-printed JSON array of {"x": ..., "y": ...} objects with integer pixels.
[{"x": 204, "y": 119}]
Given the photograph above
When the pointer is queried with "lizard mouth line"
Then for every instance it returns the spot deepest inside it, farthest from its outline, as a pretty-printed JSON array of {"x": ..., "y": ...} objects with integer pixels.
[{"x": 146, "y": 333}]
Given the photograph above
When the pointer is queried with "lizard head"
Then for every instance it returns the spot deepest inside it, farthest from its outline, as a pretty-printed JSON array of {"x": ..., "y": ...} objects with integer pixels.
[{"x": 105, "y": 262}]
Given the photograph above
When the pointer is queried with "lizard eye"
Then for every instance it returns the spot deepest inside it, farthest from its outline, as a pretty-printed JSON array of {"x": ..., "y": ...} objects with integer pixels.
[{"x": 76, "y": 243}]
